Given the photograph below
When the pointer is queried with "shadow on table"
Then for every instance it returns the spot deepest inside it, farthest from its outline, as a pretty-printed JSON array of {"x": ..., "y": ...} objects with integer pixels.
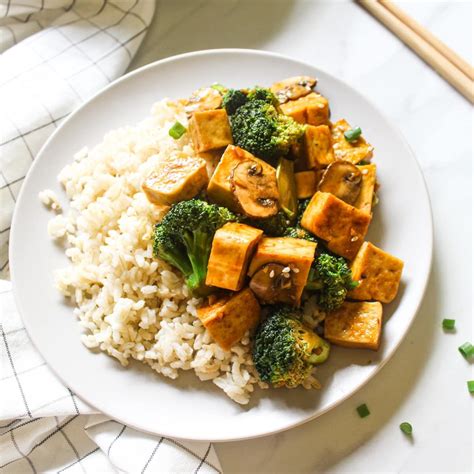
[{"x": 189, "y": 25}]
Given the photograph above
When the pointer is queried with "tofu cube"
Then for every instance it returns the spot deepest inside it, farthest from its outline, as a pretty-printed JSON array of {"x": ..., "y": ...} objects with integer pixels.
[
  {"x": 305, "y": 184},
  {"x": 312, "y": 109},
  {"x": 378, "y": 274},
  {"x": 357, "y": 325},
  {"x": 219, "y": 189},
  {"x": 297, "y": 254},
  {"x": 232, "y": 249},
  {"x": 176, "y": 178},
  {"x": 367, "y": 190},
  {"x": 210, "y": 129},
  {"x": 316, "y": 147},
  {"x": 355, "y": 151},
  {"x": 230, "y": 317},
  {"x": 341, "y": 225}
]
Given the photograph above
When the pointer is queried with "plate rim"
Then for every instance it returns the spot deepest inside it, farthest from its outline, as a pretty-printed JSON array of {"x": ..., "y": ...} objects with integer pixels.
[{"x": 210, "y": 52}]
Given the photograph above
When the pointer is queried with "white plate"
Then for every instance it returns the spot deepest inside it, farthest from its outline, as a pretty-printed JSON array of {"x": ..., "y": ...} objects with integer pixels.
[{"x": 187, "y": 408}]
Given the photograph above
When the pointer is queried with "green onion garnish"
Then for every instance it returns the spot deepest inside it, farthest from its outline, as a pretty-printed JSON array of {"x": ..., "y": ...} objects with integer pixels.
[
  {"x": 363, "y": 410},
  {"x": 353, "y": 134},
  {"x": 470, "y": 386},
  {"x": 218, "y": 87},
  {"x": 406, "y": 428},
  {"x": 449, "y": 324},
  {"x": 467, "y": 350},
  {"x": 177, "y": 130}
]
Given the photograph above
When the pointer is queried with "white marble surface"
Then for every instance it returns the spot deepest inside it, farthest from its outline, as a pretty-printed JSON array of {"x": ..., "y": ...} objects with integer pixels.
[{"x": 425, "y": 382}]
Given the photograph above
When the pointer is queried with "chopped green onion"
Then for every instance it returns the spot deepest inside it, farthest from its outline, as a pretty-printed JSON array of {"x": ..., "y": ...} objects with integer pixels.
[
  {"x": 470, "y": 386},
  {"x": 406, "y": 428},
  {"x": 449, "y": 324},
  {"x": 353, "y": 134},
  {"x": 467, "y": 350},
  {"x": 177, "y": 130},
  {"x": 363, "y": 410},
  {"x": 218, "y": 87}
]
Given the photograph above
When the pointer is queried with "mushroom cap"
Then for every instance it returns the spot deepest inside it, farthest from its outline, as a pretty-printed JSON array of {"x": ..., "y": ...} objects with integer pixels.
[
  {"x": 273, "y": 283},
  {"x": 293, "y": 88},
  {"x": 255, "y": 189},
  {"x": 343, "y": 179},
  {"x": 206, "y": 98}
]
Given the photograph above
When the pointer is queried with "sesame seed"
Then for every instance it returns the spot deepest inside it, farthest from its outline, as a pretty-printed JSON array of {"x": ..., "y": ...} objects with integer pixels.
[
  {"x": 365, "y": 171},
  {"x": 286, "y": 275},
  {"x": 354, "y": 238},
  {"x": 272, "y": 273},
  {"x": 296, "y": 270},
  {"x": 286, "y": 270}
]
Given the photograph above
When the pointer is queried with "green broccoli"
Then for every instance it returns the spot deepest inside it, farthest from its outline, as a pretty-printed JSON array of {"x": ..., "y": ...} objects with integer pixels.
[
  {"x": 285, "y": 350},
  {"x": 184, "y": 238},
  {"x": 299, "y": 233},
  {"x": 258, "y": 127},
  {"x": 302, "y": 205},
  {"x": 331, "y": 279},
  {"x": 274, "y": 226},
  {"x": 232, "y": 100}
]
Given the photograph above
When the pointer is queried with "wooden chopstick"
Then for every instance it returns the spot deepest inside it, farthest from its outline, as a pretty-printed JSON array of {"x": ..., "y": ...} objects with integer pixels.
[
  {"x": 431, "y": 55},
  {"x": 430, "y": 38}
]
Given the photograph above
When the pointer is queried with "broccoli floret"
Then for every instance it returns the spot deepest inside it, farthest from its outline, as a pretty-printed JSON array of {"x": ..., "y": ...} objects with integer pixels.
[
  {"x": 330, "y": 278},
  {"x": 232, "y": 100},
  {"x": 274, "y": 226},
  {"x": 259, "y": 128},
  {"x": 299, "y": 233},
  {"x": 302, "y": 205},
  {"x": 285, "y": 350},
  {"x": 260, "y": 93},
  {"x": 184, "y": 238}
]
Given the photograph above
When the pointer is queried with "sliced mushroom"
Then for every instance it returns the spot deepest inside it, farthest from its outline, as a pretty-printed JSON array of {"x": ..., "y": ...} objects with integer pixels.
[
  {"x": 273, "y": 283},
  {"x": 293, "y": 88},
  {"x": 206, "y": 98},
  {"x": 255, "y": 188},
  {"x": 343, "y": 179}
]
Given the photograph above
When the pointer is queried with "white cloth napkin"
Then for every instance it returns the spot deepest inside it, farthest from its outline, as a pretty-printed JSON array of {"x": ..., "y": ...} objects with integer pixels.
[{"x": 55, "y": 55}]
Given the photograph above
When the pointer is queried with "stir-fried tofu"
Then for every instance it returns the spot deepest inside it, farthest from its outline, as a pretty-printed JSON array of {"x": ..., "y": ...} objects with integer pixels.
[
  {"x": 312, "y": 109},
  {"x": 210, "y": 129},
  {"x": 306, "y": 184},
  {"x": 378, "y": 274},
  {"x": 176, "y": 178},
  {"x": 232, "y": 249},
  {"x": 296, "y": 255},
  {"x": 357, "y": 325},
  {"x": 341, "y": 225},
  {"x": 354, "y": 151},
  {"x": 220, "y": 186},
  {"x": 230, "y": 317},
  {"x": 316, "y": 147},
  {"x": 367, "y": 188}
]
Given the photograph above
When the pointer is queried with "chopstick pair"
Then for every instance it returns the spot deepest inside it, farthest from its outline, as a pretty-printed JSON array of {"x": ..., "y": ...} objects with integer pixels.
[{"x": 434, "y": 52}]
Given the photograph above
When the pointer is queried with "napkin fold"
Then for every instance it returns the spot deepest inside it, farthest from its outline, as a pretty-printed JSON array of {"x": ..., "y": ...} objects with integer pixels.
[{"x": 55, "y": 55}]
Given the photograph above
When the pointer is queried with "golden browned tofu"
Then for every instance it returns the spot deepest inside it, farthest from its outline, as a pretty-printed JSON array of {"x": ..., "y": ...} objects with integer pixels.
[
  {"x": 305, "y": 184},
  {"x": 232, "y": 249},
  {"x": 296, "y": 254},
  {"x": 317, "y": 146},
  {"x": 378, "y": 274},
  {"x": 210, "y": 129},
  {"x": 341, "y": 225},
  {"x": 355, "y": 151},
  {"x": 230, "y": 317},
  {"x": 357, "y": 325},
  {"x": 219, "y": 189},
  {"x": 367, "y": 188},
  {"x": 176, "y": 178},
  {"x": 312, "y": 109}
]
